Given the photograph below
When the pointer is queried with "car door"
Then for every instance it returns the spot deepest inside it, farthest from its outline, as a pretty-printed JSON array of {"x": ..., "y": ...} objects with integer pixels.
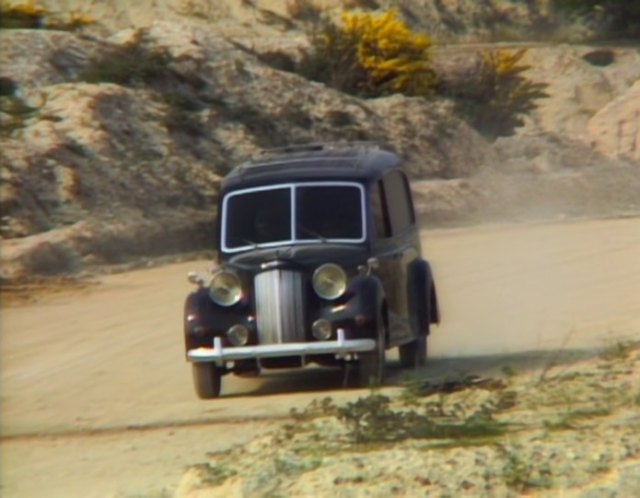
[{"x": 396, "y": 249}]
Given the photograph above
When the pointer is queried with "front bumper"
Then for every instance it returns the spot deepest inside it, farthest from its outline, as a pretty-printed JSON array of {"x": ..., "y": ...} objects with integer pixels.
[{"x": 339, "y": 347}]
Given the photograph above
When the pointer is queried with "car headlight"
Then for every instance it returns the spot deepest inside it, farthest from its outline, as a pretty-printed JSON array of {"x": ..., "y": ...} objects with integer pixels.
[
  {"x": 225, "y": 288},
  {"x": 329, "y": 281}
]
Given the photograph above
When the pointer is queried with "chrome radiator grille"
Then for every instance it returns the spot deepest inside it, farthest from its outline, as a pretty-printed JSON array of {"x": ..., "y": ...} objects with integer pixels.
[{"x": 279, "y": 306}]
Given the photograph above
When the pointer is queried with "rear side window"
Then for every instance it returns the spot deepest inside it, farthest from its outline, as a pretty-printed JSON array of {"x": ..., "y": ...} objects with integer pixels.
[
  {"x": 380, "y": 212},
  {"x": 398, "y": 202}
]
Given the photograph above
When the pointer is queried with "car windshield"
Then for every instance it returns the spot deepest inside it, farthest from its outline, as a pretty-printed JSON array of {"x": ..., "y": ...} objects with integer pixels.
[{"x": 292, "y": 213}]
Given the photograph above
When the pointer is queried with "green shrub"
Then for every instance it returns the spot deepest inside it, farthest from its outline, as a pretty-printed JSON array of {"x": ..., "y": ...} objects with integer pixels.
[
  {"x": 135, "y": 64},
  {"x": 374, "y": 419},
  {"x": 14, "y": 111},
  {"x": 303, "y": 10},
  {"x": 130, "y": 64},
  {"x": 522, "y": 475},
  {"x": 370, "y": 55},
  {"x": 496, "y": 99}
]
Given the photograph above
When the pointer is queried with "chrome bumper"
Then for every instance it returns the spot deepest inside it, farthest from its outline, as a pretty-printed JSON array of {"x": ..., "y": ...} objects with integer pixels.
[{"x": 339, "y": 347}]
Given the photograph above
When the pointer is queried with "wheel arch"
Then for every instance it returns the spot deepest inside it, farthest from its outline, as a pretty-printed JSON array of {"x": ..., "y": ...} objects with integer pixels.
[{"x": 423, "y": 294}]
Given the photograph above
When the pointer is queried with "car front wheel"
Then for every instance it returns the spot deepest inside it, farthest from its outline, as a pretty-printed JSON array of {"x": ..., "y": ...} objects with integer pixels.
[
  {"x": 206, "y": 380},
  {"x": 371, "y": 364}
]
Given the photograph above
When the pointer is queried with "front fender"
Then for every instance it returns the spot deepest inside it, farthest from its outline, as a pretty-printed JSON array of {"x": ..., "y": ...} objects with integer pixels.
[
  {"x": 204, "y": 320},
  {"x": 358, "y": 310},
  {"x": 367, "y": 295}
]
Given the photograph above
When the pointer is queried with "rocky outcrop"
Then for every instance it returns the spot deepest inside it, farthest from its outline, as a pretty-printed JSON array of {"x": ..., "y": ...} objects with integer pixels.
[
  {"x": 615, "y": 129},
  {"x": 579, "y": 85},
  {"x": 468, "y": 20},
  {"x": 94, "y": 153},
  {"x": 114, "y": 144}
]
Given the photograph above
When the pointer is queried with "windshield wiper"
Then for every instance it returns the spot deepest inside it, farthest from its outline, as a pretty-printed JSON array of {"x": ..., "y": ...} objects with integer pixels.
[
  {"x": 313, "y": 234},
  {"x": 253, "y": 244}
]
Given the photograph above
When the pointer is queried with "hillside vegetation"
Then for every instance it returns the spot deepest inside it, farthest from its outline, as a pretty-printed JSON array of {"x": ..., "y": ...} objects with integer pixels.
[{"x": 119, "y": 120}]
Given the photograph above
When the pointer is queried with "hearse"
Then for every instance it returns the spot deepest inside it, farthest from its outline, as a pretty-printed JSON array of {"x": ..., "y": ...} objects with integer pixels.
[{"x": 318, "y": 261}]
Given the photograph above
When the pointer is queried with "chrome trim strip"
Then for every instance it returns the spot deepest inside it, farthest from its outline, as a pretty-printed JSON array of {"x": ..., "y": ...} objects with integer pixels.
[
  {"x": 279, "y": 307},
  {"x": 293, "y": 240},
  {"x": 220, "y": 355}
]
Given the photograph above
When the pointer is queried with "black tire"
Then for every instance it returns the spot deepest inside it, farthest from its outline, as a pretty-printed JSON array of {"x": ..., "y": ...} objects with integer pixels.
[
  {"x": 371, "y": 364},
  {"x": 414, "y": 353},
  {"x": 206, "y": 380}
]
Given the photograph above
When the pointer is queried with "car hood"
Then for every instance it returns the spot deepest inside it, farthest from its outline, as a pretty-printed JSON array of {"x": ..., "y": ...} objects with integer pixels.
[{"x": 299, "y": 256}]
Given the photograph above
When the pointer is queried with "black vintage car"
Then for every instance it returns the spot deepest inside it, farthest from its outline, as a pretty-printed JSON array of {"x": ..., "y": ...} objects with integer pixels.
[{"x": 319, "y": 261}]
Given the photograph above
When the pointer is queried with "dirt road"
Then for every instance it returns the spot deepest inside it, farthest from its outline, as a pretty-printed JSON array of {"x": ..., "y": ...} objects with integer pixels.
[{"x": 97, "y": 399}]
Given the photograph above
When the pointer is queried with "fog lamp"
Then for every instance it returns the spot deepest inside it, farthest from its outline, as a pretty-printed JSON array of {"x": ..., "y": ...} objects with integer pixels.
[
  {"x": 238, "y": 335},
  {"x": 321, "y": 329}
]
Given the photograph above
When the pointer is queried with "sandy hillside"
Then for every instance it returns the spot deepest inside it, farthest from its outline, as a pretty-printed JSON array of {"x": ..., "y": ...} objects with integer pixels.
[{"x": 101, "y": 167}]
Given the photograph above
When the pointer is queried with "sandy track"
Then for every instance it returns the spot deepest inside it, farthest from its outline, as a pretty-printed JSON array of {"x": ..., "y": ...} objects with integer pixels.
[{"x": 97, "y": 399}]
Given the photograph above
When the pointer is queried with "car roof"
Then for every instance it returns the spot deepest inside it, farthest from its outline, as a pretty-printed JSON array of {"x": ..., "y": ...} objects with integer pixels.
[{"x": 360, "y": 162}]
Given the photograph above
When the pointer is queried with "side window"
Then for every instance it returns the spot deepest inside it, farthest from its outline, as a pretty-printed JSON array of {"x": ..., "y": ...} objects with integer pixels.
[
  {"x": 379, "y": 210},
  {"x": 398, "y": 201}
]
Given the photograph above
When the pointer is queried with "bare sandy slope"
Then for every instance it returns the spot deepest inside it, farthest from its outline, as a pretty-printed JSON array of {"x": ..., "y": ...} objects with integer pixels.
[
  {"x": 97, "y": 399},
  {"x": 227, "y": 15}
]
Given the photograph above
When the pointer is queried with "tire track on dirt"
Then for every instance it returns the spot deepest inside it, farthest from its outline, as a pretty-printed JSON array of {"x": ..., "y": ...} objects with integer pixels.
[{"x": 141, "y": 428}]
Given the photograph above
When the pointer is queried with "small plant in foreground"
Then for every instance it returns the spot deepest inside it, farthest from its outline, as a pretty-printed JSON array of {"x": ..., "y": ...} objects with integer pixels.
[
  {"x": 618, "y": 351},
  {"x": 569, "y": 419},
  {"x": 317, "y": 408},
  {"x": 376, "y": 419},
  {"x": 212, "y": 474},
  {"x": 509, "y": 372},
  {"x": 521, "y": 475}
]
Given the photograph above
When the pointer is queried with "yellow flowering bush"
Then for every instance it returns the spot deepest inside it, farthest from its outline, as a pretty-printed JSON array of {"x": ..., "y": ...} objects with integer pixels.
[
  {"x": 23, "y": 15},
  {"x": 370, "y": 55},
  {"x": 29, "y": 15}
]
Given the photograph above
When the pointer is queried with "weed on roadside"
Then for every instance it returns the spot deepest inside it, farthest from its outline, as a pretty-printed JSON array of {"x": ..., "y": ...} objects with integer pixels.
[
  {"x": 569, "y": 420},
  {"x": 618, "y": 351},
  {"x": 378, "y": 418},
  {"x": 520, "y": 474},
  {"x": 212, "y": 474}
]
